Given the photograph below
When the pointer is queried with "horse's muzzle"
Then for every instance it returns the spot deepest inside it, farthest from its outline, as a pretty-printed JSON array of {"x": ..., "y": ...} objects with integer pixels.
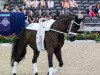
[{"x": 72, "y": 38}]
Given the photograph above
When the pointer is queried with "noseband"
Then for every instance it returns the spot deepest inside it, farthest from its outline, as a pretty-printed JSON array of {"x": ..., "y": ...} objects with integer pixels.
[{"x": 70, "y": 26}]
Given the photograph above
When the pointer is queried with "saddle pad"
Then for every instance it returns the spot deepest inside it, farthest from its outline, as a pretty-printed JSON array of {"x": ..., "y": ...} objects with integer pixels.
[
  {"x": 36, "y": 26},
  {"x": 33, "y": 26}
]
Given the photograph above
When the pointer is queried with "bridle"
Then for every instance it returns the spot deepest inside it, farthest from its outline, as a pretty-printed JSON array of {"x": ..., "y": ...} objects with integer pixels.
[{"x": 70, "y": 27}]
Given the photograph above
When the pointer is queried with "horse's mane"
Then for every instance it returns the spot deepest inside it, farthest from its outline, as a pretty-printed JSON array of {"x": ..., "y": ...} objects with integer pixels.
[
  {"x": 61, "y": 20},
  {"x": 65, "y": 16},
  {"x": 60, "y": 17}
]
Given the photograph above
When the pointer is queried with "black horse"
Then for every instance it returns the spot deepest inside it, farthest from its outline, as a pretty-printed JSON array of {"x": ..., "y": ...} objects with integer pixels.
[{"x": 53, "y": 42}]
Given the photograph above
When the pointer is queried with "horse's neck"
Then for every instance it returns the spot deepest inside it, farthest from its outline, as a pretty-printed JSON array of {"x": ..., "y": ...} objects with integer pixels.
[{"x": 62, "y": 24}]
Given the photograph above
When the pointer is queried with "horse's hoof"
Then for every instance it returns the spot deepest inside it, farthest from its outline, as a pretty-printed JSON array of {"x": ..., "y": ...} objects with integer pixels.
[
  {"x": 36, "y": 73},
  {"x": 60, "y": 64},
  {"x": 14, "y": 73},
  {"x": 48, "y": 73}
]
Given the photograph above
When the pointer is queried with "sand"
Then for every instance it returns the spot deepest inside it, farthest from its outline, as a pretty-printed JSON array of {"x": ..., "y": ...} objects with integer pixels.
[{"x": 78, "y": 58}]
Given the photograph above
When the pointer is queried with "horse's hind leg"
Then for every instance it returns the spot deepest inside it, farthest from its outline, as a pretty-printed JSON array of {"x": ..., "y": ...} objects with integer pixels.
[
  {"x": 34, "y": 61},
  {"x": 14, "y": 68}
]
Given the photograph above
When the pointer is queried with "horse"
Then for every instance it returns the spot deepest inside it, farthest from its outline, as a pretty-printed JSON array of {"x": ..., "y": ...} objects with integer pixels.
[{"x": 53, "y": 41}]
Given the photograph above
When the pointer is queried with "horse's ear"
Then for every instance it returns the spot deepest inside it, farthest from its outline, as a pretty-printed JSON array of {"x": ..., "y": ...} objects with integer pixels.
[
  {"x": 72, "y": 15},
  {"x": 76, "y": 17}
]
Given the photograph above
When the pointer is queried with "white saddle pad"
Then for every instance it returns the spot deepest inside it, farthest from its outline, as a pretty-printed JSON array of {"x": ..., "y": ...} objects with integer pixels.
[
  {"x": 36, "y": 26},
  {"x": 33, "y": 26}
]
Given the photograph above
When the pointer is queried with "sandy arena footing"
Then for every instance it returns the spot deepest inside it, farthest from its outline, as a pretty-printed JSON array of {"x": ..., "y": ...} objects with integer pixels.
[{"x": 78, "y": 58}]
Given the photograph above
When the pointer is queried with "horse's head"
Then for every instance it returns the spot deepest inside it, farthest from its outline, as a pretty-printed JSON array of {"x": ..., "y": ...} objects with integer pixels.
[{"x": 75, "y": 26}]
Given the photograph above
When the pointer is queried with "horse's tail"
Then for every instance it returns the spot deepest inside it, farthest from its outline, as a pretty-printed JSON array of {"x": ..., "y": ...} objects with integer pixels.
[{"x": 19, "y": 48}]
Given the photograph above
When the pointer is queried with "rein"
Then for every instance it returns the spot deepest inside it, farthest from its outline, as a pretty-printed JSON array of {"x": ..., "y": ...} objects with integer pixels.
[
  {"x": 58, "y": 31},
  {"x": 69, "y": 32}
]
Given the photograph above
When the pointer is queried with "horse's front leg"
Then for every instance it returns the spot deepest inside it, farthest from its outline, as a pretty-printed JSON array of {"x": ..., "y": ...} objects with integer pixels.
[
  {"x": 50, "y": 56},
  {"x": 59, "y": 56},
  {"x": 34, "y": 61}
]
